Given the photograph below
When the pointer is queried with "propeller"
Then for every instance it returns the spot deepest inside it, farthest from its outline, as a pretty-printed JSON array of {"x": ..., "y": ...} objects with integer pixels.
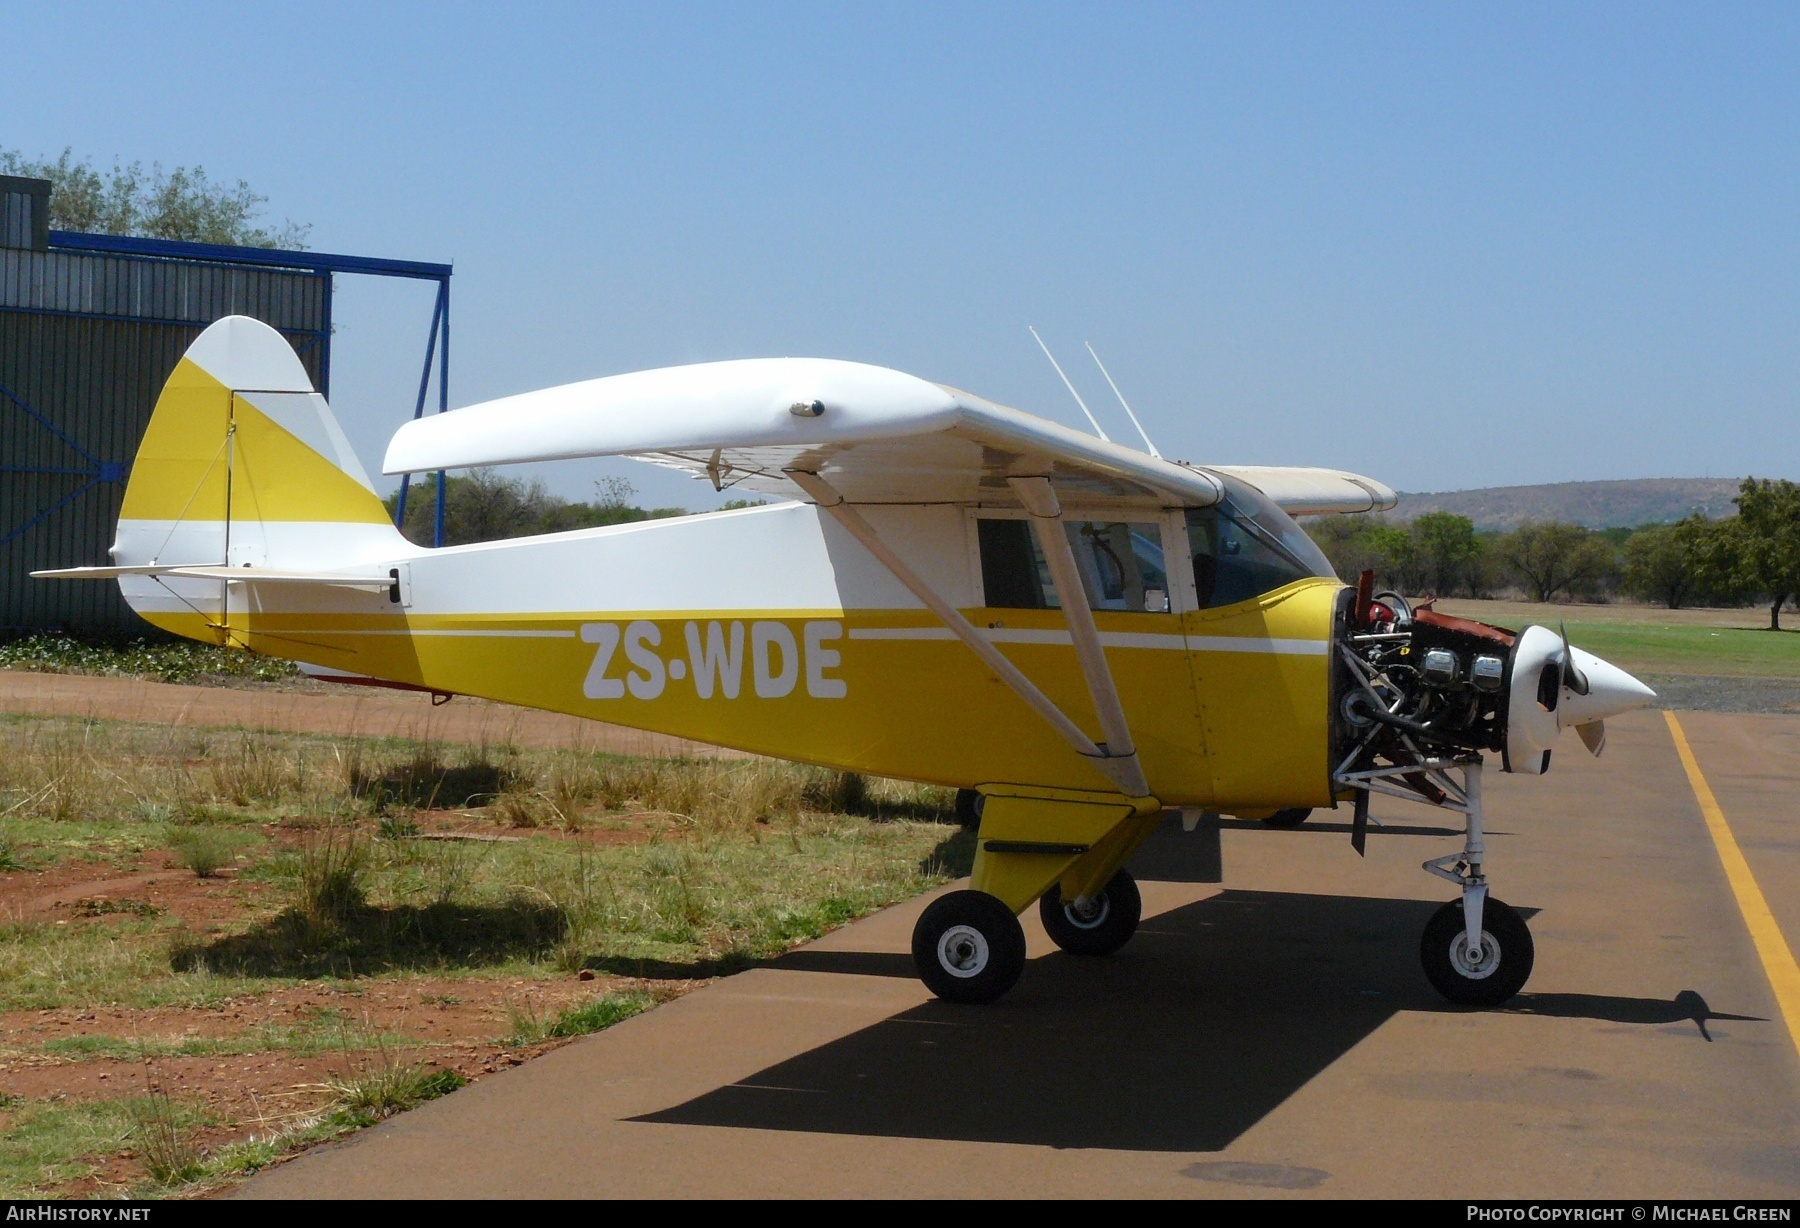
[
  {"x": 1572, "y": 677},
  {"x": 1593, "y": 736}
]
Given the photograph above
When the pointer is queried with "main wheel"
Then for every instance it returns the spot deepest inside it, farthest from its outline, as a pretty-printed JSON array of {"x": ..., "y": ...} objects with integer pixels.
[
  {"x": 1485, "y": 978},
  {"x": 968, "y": 947},
  {"x": 1291, "y": 817},
  {"x": 968, "y": 808},
  {"x": 1102, "y": 926}
]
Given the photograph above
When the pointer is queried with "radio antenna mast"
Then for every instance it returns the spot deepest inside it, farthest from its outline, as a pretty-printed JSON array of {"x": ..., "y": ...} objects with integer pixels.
[
  {"x": 1098, "y": 429},
  {"x": 1121, "y": 396}
]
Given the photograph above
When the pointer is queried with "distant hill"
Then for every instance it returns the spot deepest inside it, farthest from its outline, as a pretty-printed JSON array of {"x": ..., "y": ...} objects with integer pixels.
[{"x": 1598, "y": 505}]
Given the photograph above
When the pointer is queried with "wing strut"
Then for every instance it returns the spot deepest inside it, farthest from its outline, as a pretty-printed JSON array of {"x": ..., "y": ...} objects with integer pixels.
[
  {"x": 1039, "y": 498},
  {"x": 1123, "y": 771}
]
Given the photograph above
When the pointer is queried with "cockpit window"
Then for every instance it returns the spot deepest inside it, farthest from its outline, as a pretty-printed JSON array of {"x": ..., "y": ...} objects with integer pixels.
[
  {"x": 1246, "y": 546},
  {"x": 1121, "y": 565}
]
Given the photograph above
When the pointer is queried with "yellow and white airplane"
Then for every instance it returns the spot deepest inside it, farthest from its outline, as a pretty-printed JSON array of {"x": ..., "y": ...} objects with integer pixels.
[{"x": 1078, "y": 635}]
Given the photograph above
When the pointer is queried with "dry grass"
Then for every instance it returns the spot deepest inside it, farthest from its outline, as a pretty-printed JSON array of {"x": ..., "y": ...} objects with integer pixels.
[
  {"x": 365, "y": 858},
  {"x": 163, "y": 1139},
  {"x": 378, "y": 1083},
  {"x": 619, "y": 863},
  {"x": 205, "y": 850},
  {"x": 329, "y": 882}
]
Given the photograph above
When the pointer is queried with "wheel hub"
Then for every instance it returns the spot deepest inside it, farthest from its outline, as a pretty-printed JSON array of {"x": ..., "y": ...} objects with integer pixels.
[
  {"x": 962, "y": 951},
  {"x": 1475, "y": 966},
  {"x": 1088, "y": 914}
]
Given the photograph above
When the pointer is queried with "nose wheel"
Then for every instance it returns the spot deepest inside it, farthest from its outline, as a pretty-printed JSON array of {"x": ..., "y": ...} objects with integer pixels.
[{"x": 1484, "y": 975}]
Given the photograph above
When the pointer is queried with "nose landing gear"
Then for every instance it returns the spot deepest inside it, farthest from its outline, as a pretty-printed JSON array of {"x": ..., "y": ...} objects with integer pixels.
[{"x": 1476, "y": 951}]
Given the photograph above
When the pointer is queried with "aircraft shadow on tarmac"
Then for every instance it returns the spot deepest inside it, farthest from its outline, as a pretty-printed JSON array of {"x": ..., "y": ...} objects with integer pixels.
[{"x": 1215, "y": 1014}]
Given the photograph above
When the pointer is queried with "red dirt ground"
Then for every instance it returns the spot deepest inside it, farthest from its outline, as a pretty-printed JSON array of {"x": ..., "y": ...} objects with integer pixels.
[{"x": 442, "y": 1021}]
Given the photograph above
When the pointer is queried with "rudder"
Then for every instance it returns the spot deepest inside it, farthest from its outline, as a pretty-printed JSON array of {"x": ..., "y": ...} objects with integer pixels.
[{"x": 242, "y": 464}]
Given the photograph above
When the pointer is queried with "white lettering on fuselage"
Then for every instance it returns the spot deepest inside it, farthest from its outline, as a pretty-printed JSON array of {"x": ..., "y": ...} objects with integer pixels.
[{"x": 715, "y": 660}]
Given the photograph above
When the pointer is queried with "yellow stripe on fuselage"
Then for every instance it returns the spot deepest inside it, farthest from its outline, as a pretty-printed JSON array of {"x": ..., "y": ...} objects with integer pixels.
[{"x": 901, "y": 698}]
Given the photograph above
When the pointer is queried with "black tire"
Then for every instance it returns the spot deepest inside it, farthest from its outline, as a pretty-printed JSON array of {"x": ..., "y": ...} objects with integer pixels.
[
  {"x": 968, "y": 809},
  {"x": 1498, "y": 976},
  {"x": 1291, "y": 817},
  {"x": 968, "y": 947},
  {"x": 1109, "y": 925}
]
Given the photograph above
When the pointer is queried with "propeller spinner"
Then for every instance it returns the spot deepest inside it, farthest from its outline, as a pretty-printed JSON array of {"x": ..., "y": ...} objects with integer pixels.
[{"x": 1556, "y": 686}]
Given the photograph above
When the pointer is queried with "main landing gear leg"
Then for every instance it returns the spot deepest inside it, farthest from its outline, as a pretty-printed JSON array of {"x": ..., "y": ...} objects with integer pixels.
[{"x": 1476, "y": 951}]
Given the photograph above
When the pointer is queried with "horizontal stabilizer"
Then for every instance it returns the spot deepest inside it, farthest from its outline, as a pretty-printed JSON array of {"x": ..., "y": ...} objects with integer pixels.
[{"x": 243, "y": 575}]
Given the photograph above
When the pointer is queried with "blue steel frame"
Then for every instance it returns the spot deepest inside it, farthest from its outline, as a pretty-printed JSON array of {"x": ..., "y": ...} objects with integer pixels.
[{"x": 252, "y": 257}]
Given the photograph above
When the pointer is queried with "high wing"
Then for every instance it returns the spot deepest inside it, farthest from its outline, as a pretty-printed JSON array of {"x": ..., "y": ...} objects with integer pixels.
[
  {"x": 241, "y": 575},
  {"x": 1313, "y": 492},
  {"x": 876, "y": 434}
]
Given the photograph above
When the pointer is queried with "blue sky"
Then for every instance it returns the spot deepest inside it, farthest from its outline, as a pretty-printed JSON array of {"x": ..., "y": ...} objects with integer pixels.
[{"x": 1446, "y": 246}]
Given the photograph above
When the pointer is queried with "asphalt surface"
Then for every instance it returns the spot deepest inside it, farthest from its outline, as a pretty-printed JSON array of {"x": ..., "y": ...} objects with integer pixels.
[
  {"x": 1724, "y": 693},
  {"x": 1268, "y": 1035}
]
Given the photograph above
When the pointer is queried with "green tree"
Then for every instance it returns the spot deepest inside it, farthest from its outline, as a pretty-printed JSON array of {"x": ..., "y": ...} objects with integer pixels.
[
  {"x": 1715, "y": 550},
  {"x": 1658, "y": 566},
  {"x": 156, "y": 204},
  {"x": 1695, "y": 561},
  {"x": 1445, "y": 549},
  {"x": 1553, "y": 558},
  {"x": 1356, "y": 543},
  {"x": 1769, "y": 516},
  {"x": 485, "y": 505}
]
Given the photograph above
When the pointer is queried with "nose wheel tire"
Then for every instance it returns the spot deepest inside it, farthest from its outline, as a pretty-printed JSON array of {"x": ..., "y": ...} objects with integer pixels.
[
  {"x": 1486, "y": 977},
  {"x": 1100, "y": 925},
  {"x": 968, "y": 947},
  {"x": 1288, "y": 818}
]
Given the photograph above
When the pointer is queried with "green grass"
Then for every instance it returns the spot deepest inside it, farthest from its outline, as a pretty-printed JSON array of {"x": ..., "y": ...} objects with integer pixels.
[
  {"x": 116, "y": 962},
  {"x": 1665, "y": 649},
  {"x": 45, "y": 1144},
  {"x": 381, "y": 1085},
  {"x": 324, "y": 1034},
  {"x": 49, "y": 1143},
  {"x": 530, "y": 1028},
  {"x": 182, "y": 661}
]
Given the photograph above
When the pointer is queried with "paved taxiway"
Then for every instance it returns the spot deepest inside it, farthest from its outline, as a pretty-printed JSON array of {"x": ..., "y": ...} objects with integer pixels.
[{"x": 1270, "y": 1034}]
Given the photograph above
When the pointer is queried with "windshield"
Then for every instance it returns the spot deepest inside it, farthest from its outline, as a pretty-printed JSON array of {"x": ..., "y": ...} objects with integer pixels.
[
  {"x": 1262, "y": 516},
  {"x": 1247, "y": 546}
]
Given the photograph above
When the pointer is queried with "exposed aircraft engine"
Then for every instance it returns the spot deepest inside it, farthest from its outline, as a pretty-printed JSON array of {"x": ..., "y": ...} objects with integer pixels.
[
  {"x": 1417, "y": 697},
  {"x": 1422, "y": 678},
  {"x": 1415, "y": 685}
]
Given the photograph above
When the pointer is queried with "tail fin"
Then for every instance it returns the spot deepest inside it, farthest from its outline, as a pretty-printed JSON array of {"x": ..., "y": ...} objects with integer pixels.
[{"x": 242, "y": 465}]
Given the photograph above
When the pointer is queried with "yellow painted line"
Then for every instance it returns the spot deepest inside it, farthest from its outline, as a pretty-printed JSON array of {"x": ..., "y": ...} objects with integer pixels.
[{"x": 1771, "y": 946}]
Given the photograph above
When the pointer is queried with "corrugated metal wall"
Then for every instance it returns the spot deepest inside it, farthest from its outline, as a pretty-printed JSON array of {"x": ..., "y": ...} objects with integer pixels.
[
  {"x": 24, "y": 212},
  {"x": 86, "y": 341}
]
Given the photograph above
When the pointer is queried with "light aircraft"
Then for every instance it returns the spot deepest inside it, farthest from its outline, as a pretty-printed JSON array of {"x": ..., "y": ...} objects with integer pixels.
[{"x": 1077, "y": 635}]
